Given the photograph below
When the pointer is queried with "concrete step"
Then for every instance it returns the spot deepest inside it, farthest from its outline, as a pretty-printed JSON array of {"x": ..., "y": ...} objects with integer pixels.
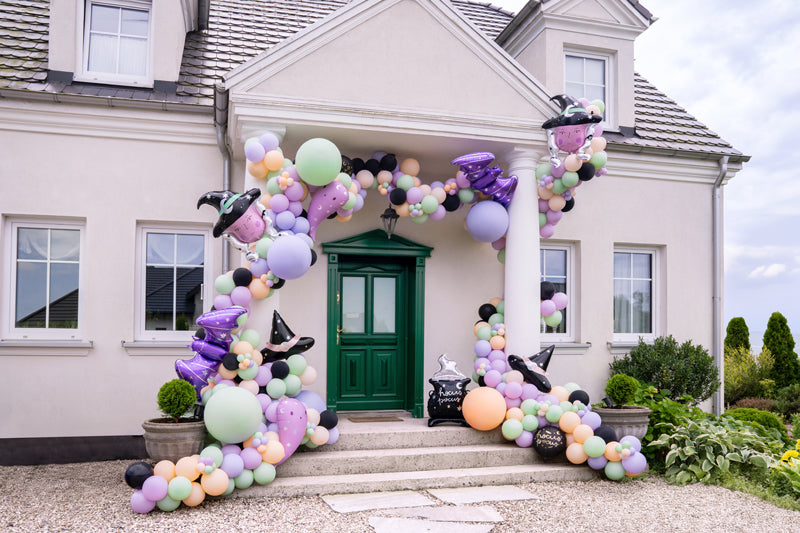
[
  {"x": 424, "y": 479},
  {"x": 340, "y": 462}
]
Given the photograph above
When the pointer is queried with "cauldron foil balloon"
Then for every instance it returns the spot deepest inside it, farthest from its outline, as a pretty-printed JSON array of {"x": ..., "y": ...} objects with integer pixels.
[
  {"x": 571, "y": 131},
  {"x": 449, "y": 390}
]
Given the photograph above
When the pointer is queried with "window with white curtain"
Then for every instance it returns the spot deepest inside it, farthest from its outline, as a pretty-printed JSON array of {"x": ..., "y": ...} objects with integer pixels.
[
  {"x": 44, "y": 280},
  {"x": 173, "y": 270},
  {"x": 588, "y": 75},
  {"x": 555, "y": 263},
  {"x": 634, "y": 293},
  {"x": 116, "y": 42}
]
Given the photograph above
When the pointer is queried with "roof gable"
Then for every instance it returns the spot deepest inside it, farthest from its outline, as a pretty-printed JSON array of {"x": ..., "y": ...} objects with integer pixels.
[{"x": 615, "y": 12}]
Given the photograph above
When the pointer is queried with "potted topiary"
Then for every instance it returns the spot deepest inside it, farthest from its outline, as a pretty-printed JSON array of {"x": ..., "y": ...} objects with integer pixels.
[
  {"x": 624, "y": 418},
  {"x": 174, "y": 437}
]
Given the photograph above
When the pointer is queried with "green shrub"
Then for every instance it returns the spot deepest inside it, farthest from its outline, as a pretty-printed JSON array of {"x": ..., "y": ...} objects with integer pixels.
[
  {"x": 683, "y": 369},
  {"x": 763, "y": 404},
  {"x": 787, "y": 400},
  {"x": 778, "y": 339},
  {"x": 737, "y": 335},
  {"x": 176, "y": 397},
  {"x": 796, "y": 426},
  {"x": 621, "y": 389},
  {"x": 745, "y": 375},
  {"x": 765, "y": 419}
]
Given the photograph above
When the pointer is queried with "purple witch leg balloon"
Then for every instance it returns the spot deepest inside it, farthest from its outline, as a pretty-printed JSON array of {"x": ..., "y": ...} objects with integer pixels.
[
  {"x": 219, "y": 323},
  {"x": 487, "y": 180},
  {"x": 209, "y": 350},
  {"x": 196, "y": 371}
]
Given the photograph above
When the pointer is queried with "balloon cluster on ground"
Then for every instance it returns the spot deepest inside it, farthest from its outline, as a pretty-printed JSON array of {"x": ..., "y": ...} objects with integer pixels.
[
  {"x": 515, "y": 394},
  {"x": 576, "y": 131}
]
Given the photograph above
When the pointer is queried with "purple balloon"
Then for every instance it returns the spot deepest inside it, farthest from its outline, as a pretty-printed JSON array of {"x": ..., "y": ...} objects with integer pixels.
[
  {"x": 254, "y": 151},
  {"x": 140, "y": 503},
  {"x": 264, "y": 400},
  {"x": 543, "y": 206},
  {"x": 269, "y": 141},
  {"x": 513, "y": 402},
  {"x": 487, "y": 221},
  {"x": 279, "y": 203},
  {"x": 241, "y": 295},
  {"x": 500, "y": 387},
  {"x": 438, "y": 214},
  {"x": 592, "y": 420},
  {"x": 525, "y": 440},
  {"x": 222, "y": 301},
  {"x": 285, "y": 220},
  {"x": 635, "y": 463},
  {"x": 301, "y": 225},
  {"x": 493, "y": 378},
  {"x": 529, "y": 391},
  {"x": 292, "y": 421},
  {"x": 155, "y": 488},
  {"x": 263, "y": 376},
  {"x": 497, "y": 354},
  {"x": 597, "y": 463},
  {"x": 482, "y": 361},
  {"x": 561, "y": 300},
  {"x": 482, "y": 348},
  {"x": 296, "y": 208},
  {"x": 259, "y": 267},
  {"x": 554, "y": 217},
  {"x": 232, "y": 464},
  {"x": 636, "y": 445},
  {"x": 289, "y": 257},
  {"x": 312, "y": 400},
  {"x": 294, "y": 191},
  {"x": 231, "y": 448},
  {"x": 546, "y": 231},
  {"x": 558, "y": 171},
  {"x": 250, "y": 458},
  {"x": 414, "y": 195},
  {"x": 513, "y": 390},
  {"x": 547, "y": 307},
  {"x": 333, "y": 435}
]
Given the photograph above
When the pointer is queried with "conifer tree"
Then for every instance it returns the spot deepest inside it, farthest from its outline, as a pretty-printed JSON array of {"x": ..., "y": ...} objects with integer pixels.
[
  {"x": 737, "y": 335},
  {"x": 778, "y": 339}
]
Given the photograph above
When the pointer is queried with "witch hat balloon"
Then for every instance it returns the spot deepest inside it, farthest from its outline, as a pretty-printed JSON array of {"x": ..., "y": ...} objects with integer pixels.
[
  {"x": 218, "y": 324},
  {"x": 487, "y": 180},
  {"x": 571, "y": 131},
  {"x": 196, "y": 370},
  {"x": 534, "y": 377},
  {"x": 282, "y": 342},
  {"x": 542, "y": 359},
  {"x": 237, "y": 214}
]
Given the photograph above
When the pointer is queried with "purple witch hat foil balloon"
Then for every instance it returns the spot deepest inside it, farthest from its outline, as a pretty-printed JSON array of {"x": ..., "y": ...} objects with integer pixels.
[
  {"x": 219, "y": 323},
  {"x": 487, "y": 180}
]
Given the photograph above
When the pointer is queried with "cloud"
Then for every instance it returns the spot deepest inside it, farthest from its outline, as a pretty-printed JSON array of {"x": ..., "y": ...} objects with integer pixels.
[{"x": 771, "y": 271}]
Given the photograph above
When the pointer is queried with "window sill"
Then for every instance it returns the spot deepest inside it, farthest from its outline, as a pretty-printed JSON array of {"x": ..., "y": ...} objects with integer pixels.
[
  {"x": 45, "y": 347},
  {"x": 170, "y": 348},
  {"x": 623, "y": 347},
  {"x": 568, "y": 348}
]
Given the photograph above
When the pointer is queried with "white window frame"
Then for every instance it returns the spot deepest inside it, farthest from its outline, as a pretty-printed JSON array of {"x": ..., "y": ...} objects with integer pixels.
[
  {"x": 140, "y": 333},
  {"x": 9, "y": 329},
  {"x": 569, "y": 334},
  {"x": 82, "y": 53},
  {"x": 610, "y": 100},
  {"x": 655, "y": 290}
]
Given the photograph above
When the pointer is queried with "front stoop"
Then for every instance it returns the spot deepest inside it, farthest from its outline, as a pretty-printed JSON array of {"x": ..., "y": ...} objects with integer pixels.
[{"x": 408, "y": 455}]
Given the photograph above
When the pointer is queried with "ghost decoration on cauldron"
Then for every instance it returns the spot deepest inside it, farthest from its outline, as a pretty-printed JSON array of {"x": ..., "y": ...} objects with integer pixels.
[
  {"x": 449, "y": 390},
  {"x": 572, "y": 130}
]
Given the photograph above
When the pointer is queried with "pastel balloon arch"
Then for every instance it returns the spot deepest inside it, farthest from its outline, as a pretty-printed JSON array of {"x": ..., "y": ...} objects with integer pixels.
[{"x": 255, "y": 406}]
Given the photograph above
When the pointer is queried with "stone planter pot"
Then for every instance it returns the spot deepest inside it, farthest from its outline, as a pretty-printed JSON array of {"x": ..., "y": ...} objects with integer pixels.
[
  {"x": 165, "y": 439},
  {"x": 629, "y": 420}
]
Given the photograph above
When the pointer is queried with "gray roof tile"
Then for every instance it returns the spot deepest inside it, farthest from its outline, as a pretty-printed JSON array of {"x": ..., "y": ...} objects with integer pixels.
[{"x": 239, "y": 30}]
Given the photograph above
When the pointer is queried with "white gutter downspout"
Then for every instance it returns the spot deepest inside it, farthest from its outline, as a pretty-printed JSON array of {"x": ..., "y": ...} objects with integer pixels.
[
  {"x": 717, "y": 348},
  {"x": 221, "y": 125}
]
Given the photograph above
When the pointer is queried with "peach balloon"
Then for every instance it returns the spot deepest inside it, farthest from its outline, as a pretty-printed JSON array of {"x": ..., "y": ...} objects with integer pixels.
[
  {"x": 611, "y": 451},
  {"x": 187, "y": 467},
  {"x": 257, "y": 170},
  {"x": 242, "y": 347},
  {"x": 515, "y": 413},
  {"x": 425, "y": 188},
  {"x": 305, "y": 191},
  {"x": 439, "y": 194},
  {"x": 598, "y": 144},
  {"x": 560, "y": 392},
  {"x": 575, "y": 454},
  {"x": 249, "y": 385},
  {"x": 384, "y": 176},
  {"x": 410, "y": 166},
  {"x": 312, "y": 416},
  {"x": 514, "y": 376},
  {"x": 484, "y": 408},
  {"x": 402, "y": 209},
  {"x": 215, "y": 483},
  {"x": 257, "y": 357},
  {"x": 309, "y": 376},
  {"x": 165, "y": 469},
  {"x": 366, "y": 179},
  {"x": 273, "y": 160},
  {"x": 569, "y": 421},
  {"x": 196, "y": 497},
  {"x": 557, "y": 202},
  {"x": 258, "y": 289},
  {"x": 572, "y": 163},
  {"x": 226, "y": 374},
  {"x": 265, "y": 199},
  {"x": 478, "y": 326},
  {"x": 340, "y": 218},
  {"x": 582, "y": 432},
  {"x": 495, "y": 301},
  {"x": 274, "y": 452},
  {"x": 320, "y": 436},
  {"x": 545, "y": 193},
  {"x": 498, "y": 342},
  {"x": 570, "y": 439}
]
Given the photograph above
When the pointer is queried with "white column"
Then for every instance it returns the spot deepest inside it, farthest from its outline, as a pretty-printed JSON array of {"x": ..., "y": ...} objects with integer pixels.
[{"x": 522, "y": 257}]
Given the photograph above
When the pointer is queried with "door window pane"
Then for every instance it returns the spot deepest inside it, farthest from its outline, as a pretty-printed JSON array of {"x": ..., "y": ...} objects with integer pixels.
[
  {"x": 353, "y": 298},
  {"x": 383, "y": 314}
]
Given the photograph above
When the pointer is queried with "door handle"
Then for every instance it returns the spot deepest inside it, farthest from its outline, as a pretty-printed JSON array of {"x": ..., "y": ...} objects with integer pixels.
[{"x": 338, "y": 330}]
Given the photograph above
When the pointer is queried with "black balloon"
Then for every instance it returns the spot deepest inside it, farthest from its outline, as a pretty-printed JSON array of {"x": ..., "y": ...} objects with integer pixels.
[
  {"x": 230, "y": 361},
  {"x": 373, "y": 165},
  {"x": 451, "y": 203},
  {"x": 547, "y": 290},
  {"x": 486, "y": 310},
  {"x": 347, "y": 165},
  {"x": 332, "y": 215},
  {"x": 200, "y": 333},
  {"x": 388, "y": 162},
  {"x": 569, "y": 205},
  {"x": 397, "y": 196},
  {"x": 242, "y": 277},
  {"x": 280, "y": 369},
  {"x": 328, "y": 419},
  {"x": 137, "y": 473},
  {"x": 607, "y": 433},
  {"x": 586, "y": 172},
  {"x": 358, "y": 165},
  {"x": 313, "y": 259},
  {"x": 579, "y": 395},
  {"x": 281, "y": 282},
  {"x": 549, "y": 441}
]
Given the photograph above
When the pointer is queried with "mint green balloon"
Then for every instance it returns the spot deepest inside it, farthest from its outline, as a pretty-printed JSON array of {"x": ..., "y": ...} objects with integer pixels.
[
  {"x": 168, "y": 504},
  {"x": 274, "y": 174},
  {"x": 559, "y": 187},
  {"x": 262, "y": 246},
  {"x": 614, "y": 470},
  {"x": 600, "y": 104},
  {"x": 554, "y": 319},
  {"x": 496, "y": 318},
  {"x": 351, "y": 201},
  {"x": 232, "y": 415},
  {"x": 512, "y": 428},
  {"x": 244, "y": 480},
  {"x": 224, "y": 284},
  {"x": 501, "y": 307},
  {"x": 273, "y": 187},
  {"x": 275, "y": 388},
  {"x": 179, "y": 488},
  {"x": 242, "y": 319},
  {"x": 419, "y": 219},
  {"x": 571, "y": 387},
  {"x": 297, "y": 364},
  {"x": 429, "y": 204},
  {"x": 594, "y": 446},
  {"x": 570, "y": 179},
  {"x": 231, "y": 487},
  {"x": 466, "y": 195},
  {"x": 566, "y": 406},
  {"x": 251, "y": 336},
  {"x": 484, "y": 333},
  {"x": 248, "y": 373},
  {"x": 501, "y": 256},
  {"x": 529, "y": 406},
  {"x": 542, "y": 219},
  {"x": 318, "y": 161},
  {"x": 264, "y": 473},
  {"x": 214, "y": 452},
  {"x": 345, "y": 180},
  {"x": 599, "y": 159},
  {"x": 545, "y": 169},
  {"x": 530, "y": 422},
  {"x": 405, "y": 182},
  {"x": 554, "y": 412},
  {"x": 293, "y": 385}
]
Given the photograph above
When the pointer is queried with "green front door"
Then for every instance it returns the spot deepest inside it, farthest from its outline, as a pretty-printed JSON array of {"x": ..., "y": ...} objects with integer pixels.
[{"x": 371, "y": 316}]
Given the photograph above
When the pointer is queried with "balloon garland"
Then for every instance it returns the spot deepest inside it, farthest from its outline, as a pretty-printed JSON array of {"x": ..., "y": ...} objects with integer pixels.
[{"x": 517, "y": 397}]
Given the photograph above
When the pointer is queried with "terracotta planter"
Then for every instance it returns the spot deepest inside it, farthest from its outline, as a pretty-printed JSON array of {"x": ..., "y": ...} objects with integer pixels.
[
  {"x": 165, "y": 439},
  {"x": 629, "y": 420}
]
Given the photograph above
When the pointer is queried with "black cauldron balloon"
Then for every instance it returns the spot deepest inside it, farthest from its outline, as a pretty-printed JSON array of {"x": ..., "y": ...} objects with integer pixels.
[
  {"x": 571, "y": 131},
  {"x": 487, "y": 180},
  {"x": 447, "y": 396}
]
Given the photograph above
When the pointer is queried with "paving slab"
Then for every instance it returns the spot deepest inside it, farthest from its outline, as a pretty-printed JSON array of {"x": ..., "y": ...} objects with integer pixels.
[
  {"x": 449, "y": 513},
  {"x": 351, "y": 503},
  {"x": 409, "y": 525},
  {"x": 464, "y": 495}
]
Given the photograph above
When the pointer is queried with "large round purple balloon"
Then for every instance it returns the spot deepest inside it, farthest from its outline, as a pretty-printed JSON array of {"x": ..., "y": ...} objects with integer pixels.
[{"x": 289, "y": 257}]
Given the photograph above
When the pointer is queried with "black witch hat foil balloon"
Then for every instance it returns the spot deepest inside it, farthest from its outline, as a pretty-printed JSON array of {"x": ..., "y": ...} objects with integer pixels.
[
  {"x": 489, "y": 181},
  {"x": 282, "y": 342},
  {"x": 538, "y": 374},
  {"x": 571, "y": 131}
]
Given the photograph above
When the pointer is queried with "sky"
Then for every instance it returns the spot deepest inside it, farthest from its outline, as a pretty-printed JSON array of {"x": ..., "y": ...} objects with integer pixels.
[{"x": 734, "y": 65}]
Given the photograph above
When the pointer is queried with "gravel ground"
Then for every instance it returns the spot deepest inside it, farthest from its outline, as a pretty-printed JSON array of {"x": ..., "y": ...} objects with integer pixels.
[{"x": 87, "y": 497}]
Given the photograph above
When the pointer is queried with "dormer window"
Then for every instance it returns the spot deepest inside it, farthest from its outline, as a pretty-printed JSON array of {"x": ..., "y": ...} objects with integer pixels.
[
  {"x": 116, "y": 42},
  {"x": 588, "y": 74}
]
